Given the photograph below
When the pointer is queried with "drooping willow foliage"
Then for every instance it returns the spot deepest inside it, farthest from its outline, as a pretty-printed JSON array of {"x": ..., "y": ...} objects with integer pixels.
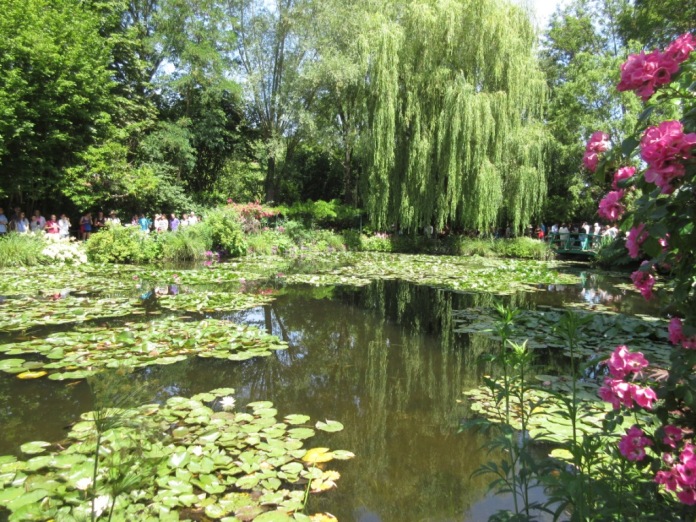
[{"x": 454, "y": 99}]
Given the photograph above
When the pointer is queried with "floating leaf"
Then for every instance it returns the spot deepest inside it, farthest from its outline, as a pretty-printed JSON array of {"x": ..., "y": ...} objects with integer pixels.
[{"x": 329, "y": 426}]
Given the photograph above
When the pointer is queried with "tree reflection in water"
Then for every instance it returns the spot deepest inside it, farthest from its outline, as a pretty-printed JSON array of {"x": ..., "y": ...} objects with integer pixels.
[{"x": 383, "y": 360}]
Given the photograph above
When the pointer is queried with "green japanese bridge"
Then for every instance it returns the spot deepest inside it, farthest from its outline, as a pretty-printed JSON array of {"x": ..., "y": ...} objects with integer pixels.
[{"x": 575, "y": 243}]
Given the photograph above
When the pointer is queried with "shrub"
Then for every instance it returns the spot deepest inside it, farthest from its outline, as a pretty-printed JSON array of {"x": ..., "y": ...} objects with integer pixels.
[
  {"x": 114, "y": 245},
  {"x": 64, "y": 252},
  {"x": 464, "y": 246},
  {"x": 522, "y": 248},
  {"x": 224, "y": 228},
  {"x": 186, "y": 244},
  {"x": 270, "y": 242},
  {"x": 612, "y": 254},
  {"x": 21, "y": 250},
  {"x": 321, "y": 213}
]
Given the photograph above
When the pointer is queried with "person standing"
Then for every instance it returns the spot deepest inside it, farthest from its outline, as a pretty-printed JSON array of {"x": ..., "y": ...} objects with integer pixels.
[
  {"x": 86, "y": 226},
  {"x": 52, "y": 228},
  {"x": 113, "y": 219},
  {"x": 64, "y": 227},
  {"x": 38, "y": 222},
  {"x": 3, "y": 222},
  {"x": 173, "y": 223},
  {"x": 144, "y": 223},
  {"x": 99, "y": 222},
  {"x": 20, "y": 224}
]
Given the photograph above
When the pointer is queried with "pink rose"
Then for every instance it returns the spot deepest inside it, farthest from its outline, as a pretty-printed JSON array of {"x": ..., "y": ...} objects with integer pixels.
[
  {"x": 611, "y": 208},
  {"x": 680, "y": 48},
  {"x": 635, "y": 238},
  {"x": 643, "y": 397},
  {"x": 676, "y": 335},
  {"x": 644, "y": 281},
  {"x": 633, "y": 444},
  {"x": 622, "y": 362},
  {"x": 599, "y": 142},
  {"x": 673, "y": 434},
  {"x": 621, "y": 174}
]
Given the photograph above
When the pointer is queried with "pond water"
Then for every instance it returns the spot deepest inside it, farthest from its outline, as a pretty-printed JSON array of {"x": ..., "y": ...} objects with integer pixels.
[{"x": 382, "y": 359}]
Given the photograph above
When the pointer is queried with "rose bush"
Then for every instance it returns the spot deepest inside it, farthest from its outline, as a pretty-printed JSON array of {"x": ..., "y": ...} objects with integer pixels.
[{"x": 661, "y": 228}]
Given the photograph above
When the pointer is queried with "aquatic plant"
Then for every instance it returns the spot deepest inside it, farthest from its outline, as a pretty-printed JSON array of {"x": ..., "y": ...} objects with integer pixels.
[{"x": 199, "y": 460}]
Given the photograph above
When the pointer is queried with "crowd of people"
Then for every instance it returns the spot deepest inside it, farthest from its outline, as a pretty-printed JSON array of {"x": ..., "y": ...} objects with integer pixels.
[{"x": 88, "y": 223}]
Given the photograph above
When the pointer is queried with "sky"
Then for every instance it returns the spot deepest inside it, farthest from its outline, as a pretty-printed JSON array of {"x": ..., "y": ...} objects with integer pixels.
[{"x": 543, "y": 9}]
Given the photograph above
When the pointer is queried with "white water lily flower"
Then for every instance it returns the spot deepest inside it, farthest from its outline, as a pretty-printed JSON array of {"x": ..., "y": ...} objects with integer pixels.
[
  {"x": 100, "y": 504},
  {"x": 197, "y": 450},
  {"x": 227, "y": 403},
  {"x": 83, "y": 484}
]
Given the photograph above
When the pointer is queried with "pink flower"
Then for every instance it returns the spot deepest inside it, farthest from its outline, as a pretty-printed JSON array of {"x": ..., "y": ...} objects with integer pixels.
[
  {"x": 636, "y": 237},
  {"x": 644, "y": 281},
  {"x": 668, "y": 479},
  {"x": 664, "y": 148},
  {"x": 644, "y": 397},
  {"x": 599, "y": 142},
  {"x": 590, "y": 160},
  {"x": 680, "y": 48},
  {"x": 616, "y": 392},
  {"x": 676, "y": 335},
  {"x": 622, "y": 362},
  {"x": 633, "y": 444},
  {"x": 687, "y": 496},
  {"x": 673, "y": 434},
  {"x": 621, "y": 174},
  {"x": 643, "y": 72},
  {"x": 611, "y": 207}
]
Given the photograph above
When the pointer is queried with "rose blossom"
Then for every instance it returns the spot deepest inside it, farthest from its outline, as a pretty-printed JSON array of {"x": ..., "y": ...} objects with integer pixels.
[
  {"x": 643, "y": 397},
  {"x": 622, "y": 362},
  {"x": 680, "y": 48},
  {"x": 599, "y": 142},
  {"x": 610, "y": 207},
  {"x": 636, "y": 237},
  {"x": 644, "y": 281},
  {"x": 676, "y": 335},
  {"x": 632, "y": 445},
  {"x": 621, "y": 174},
  {"x": 664, "y": 147},
  {"x": 673, "y": 434}
]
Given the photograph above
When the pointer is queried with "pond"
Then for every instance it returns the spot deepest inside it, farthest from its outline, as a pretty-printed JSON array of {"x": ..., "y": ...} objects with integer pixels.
[{"x": 383, "y": 359}]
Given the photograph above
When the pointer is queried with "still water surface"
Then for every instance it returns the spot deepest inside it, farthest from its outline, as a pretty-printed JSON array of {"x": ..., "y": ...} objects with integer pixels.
[{"x": 383, "y": 360}]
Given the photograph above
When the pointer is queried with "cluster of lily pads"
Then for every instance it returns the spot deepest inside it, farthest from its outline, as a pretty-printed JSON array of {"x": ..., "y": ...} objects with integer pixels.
[
  {"x": 604, "y": 332},
  {"x": 189, "y": 459},
  {"x": 85, "y": 350}
]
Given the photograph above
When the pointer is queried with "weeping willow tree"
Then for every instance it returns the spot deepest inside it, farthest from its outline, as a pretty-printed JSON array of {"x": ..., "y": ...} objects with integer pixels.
[{"x": 455, "y": 98}]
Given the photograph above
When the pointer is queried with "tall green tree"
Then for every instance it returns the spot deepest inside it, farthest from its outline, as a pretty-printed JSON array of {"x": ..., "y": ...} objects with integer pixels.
[
  {"x": 582, "y": 52},
  {"x": 455, "y": 101},
  {"x": 55, "y": 93},
  {"x": 656, "y": 23},
  {"x": 275, "y": 50}
]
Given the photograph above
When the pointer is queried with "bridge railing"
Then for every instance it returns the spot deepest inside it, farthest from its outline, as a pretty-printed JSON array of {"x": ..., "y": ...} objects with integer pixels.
[{"x": 575, "y": 242}]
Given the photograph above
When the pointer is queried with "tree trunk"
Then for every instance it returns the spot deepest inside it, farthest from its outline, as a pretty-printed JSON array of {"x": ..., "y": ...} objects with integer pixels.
[{"x": 269, "y": 184}]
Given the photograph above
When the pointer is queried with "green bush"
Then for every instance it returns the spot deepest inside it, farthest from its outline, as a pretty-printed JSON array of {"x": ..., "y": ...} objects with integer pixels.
[
  {"x": 464, "y": 246},
  {"x": 321, "y": 213},
  {"x": 21, "y": 250},
  {"x": 114, "y": 245},
  {"x": 119, "y": 244},
  {"x": 270, "y": 242},
  {"x": 186, "y": 244},
  {"x": 613, "y": 254},
  {"x": 523, "y": 248},
  {"x": 225, "y": 231}
]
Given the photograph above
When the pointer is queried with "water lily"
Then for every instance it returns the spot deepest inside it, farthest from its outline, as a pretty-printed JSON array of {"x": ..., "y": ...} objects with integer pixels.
[{"x": 227, "y": 403}]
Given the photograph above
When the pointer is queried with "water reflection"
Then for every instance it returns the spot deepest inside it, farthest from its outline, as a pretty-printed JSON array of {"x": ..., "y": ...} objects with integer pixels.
[{"x": 383, "y": 360}]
